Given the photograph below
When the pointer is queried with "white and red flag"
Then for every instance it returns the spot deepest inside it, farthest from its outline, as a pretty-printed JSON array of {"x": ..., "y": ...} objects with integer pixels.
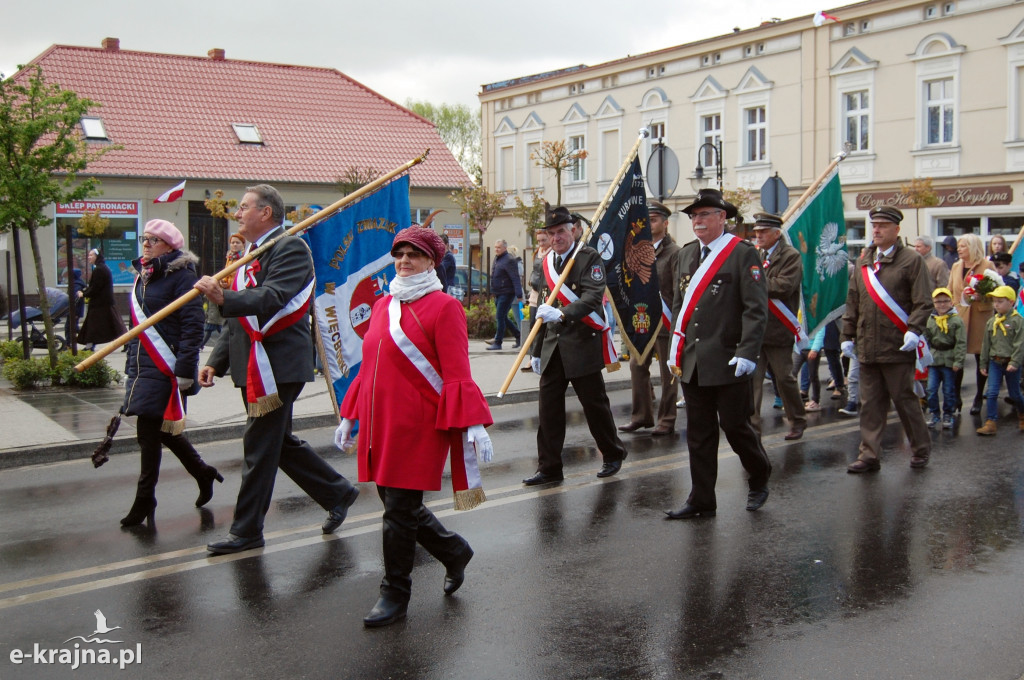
[
  {"x": 821, "y": 17},
  {"x": 171, "y": 195}
]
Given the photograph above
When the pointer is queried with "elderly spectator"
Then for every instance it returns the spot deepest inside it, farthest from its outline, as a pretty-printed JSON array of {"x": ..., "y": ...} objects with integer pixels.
[{"x": 938, "y": 270}]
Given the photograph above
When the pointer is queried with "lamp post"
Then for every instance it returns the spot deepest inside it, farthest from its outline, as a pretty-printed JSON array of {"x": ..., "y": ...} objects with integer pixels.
[{"x": 699, "y": 181}]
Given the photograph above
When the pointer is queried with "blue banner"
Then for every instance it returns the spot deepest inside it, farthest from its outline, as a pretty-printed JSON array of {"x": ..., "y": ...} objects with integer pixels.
[
  {"x": 623, "y": 238},
  {"x": 353, "y": 264}
]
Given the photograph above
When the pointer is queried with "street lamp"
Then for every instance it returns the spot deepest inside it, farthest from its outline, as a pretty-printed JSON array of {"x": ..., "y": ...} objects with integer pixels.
[{"x": 699, "y": 181}]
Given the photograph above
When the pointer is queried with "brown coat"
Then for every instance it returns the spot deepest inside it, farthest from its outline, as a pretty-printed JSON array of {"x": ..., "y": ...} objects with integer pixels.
[
  {"x": 975, "y": 315},
  {"x": 905, "y": 277},
  {"x": 665, "y": 255},
  {"x": 784, "y": 274}
]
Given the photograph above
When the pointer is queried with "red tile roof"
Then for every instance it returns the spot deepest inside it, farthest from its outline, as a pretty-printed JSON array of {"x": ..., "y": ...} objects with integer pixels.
[{"x": 173, "y": 115}]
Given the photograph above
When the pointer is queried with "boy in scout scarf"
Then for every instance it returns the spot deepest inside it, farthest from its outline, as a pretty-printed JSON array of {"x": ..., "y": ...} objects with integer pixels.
[{"x": 572, "y": 347}]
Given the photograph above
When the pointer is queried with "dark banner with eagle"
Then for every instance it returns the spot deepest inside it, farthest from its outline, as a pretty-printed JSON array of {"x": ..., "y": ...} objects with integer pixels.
[{"x": 623, "y": 238}]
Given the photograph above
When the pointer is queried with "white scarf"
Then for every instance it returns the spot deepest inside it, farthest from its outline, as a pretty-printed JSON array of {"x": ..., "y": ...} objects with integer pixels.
[{"x": 409, "y": 288}]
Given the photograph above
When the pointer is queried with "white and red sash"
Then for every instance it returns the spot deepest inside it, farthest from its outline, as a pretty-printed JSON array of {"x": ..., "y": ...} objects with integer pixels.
[
  {"x": 162, "y": 356},
  {"x": 698, "y": 284},
  {"x": 789, "y": 320},
  {"x": 666, "y": 313},
  {"x": 261, "y": 387},
  {"x": 466, "y": 482},
  {"x": 594, "y": 320},
  {"x": 893, "y": 312}
]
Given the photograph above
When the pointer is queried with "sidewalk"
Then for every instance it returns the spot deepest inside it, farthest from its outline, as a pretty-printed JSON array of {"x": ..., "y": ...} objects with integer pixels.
[{"x": 48, "y": 425}]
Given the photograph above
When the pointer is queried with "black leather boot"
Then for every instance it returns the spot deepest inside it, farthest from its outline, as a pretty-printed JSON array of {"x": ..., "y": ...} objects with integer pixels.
[
  {"x": 142, "y": 509},
  {"x": 194, "y": 464},
  {"x": 385, "y": 612},
  {"x": 205, "y": 481}
]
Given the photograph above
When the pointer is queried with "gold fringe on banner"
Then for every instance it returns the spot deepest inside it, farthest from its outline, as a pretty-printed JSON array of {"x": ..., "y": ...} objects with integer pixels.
[
  {"x": 173, "y": 426},
  {"x": 469, "y": 498}
]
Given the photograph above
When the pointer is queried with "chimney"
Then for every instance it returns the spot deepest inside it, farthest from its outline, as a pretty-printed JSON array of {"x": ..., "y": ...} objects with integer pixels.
[
  {"x": 111, "y": 44},
  {"x": 217, "y": 54}
]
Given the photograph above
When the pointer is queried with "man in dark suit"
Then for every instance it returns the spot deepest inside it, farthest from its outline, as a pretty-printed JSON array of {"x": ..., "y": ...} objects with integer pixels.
[
  {"x": 642, "y": 415},
  {"x": 569, "y": 349},
  {"x": 783, "y": 274},
  {"x": 280, "y": 279},
  {"x": 718, "y": 319}
]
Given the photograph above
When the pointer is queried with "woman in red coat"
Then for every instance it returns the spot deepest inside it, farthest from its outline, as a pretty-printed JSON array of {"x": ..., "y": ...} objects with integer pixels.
[{"x": 415, "y": 400}]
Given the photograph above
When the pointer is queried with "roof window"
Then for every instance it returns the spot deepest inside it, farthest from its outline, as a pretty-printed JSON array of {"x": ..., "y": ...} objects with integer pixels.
[
  {"x": 247, "y": 133},
  {"x": 93, "y": 128}
]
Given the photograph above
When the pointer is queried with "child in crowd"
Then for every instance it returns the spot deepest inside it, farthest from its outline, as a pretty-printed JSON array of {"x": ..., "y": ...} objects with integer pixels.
[
  {"x": 947, "y": 339},
  {"x": 1002, "y": 262},
  {"x": 1001, "y": 353},
  {"x": 826, "y": 342}
]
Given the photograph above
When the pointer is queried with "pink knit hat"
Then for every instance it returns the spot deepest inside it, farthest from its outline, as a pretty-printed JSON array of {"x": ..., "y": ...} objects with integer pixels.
[
  {"x": 166, "y": 232},
  {"x": 423, "y": 239}
]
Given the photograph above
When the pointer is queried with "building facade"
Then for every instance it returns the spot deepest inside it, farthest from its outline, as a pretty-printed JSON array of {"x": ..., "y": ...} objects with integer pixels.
[{"x": 915, "y": 89}]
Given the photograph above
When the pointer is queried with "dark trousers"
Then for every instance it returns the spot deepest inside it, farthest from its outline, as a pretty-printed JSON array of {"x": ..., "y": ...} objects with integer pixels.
[
  {"x": 151, "y": 439},
  {"x": 778, "y": 360},
  {"x": 643, "y": 391},
  {"x": 408, "y": 522},
  {"x": 592, "y": 395},
  {"x": 268, "y": 444},
  {"x": 978, "y": 377},
  {"x": 729, "y": 407},
  {"x": 503, "y": 315}
]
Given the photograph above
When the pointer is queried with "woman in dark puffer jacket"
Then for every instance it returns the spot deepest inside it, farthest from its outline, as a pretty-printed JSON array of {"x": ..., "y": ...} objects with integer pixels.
[{"x": 163, "y": 364}]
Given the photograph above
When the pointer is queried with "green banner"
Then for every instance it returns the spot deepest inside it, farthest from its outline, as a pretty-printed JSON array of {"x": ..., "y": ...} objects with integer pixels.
[{"x": 818, "y": 231}]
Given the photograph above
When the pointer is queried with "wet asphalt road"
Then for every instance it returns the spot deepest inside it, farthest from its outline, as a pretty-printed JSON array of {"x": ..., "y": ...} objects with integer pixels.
[{"x": 902, "y": 574}]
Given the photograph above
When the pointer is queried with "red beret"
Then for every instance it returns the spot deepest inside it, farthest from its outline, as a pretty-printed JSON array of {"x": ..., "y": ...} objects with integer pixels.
[{"x": 423, "y": 239}]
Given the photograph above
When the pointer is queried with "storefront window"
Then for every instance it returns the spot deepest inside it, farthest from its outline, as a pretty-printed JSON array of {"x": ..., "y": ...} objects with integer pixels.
[
  {"x": 119, "y": 242},
  {"x": 856, "y": 241}
]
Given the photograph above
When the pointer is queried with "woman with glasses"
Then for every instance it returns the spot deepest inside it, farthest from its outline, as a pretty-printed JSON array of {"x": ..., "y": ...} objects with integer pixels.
[
  {"x": 162, "y": 366},
  {"x": 415, "y": 400}
]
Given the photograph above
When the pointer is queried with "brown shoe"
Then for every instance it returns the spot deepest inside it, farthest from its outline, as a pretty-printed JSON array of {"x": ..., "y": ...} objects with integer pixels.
[
  {"x": 918, "y": 462},
  {"x": 662, "y": 431},
  {"x": 1020, "y": 421},
  {"x": 633, "y": 427},
  {"x": 859, "y": 466},
  {"x": 988, "y": 429},
  {"x": 793, "y": 434}
]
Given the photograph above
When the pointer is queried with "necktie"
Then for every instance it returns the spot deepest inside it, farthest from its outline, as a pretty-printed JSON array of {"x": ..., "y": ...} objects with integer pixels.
[{"x": 704, "y": 252}]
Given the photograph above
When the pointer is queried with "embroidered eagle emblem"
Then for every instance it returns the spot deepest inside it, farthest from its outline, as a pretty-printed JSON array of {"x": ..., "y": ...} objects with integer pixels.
[{"x": 831, "y": 257}]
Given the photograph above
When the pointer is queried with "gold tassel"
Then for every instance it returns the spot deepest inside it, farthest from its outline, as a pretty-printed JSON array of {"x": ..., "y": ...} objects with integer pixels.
[
  {"x": 611, "y": 368},
  {"x": 469, "y": 498},
  {"x": 173, "y": 426},
  {"x": 265, "y": 405}
]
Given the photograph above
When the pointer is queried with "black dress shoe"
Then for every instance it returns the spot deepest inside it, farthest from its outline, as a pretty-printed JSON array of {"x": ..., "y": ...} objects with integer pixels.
[
  {"x": 756, "y": 498},
  {"x": 634, "y": 426},
  {"x": 385, "y": 612},
  {"x": 455, "y": 575},
  {"x": 235, "y": 544},
  {"x": 336, "y": 516},
  {"x": 541, "y": 478},
  {"x": 859, "y": 466},
  {"x": 689, "y": 512},
  {"x": 609, "y": 469}
]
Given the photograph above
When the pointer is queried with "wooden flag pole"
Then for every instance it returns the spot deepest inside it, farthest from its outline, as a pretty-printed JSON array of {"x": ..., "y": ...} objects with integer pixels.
[
  {"x": 1020, "y": 235},
  {"x": 231, "y": 268},
  {"x": 644, "y": 133}
]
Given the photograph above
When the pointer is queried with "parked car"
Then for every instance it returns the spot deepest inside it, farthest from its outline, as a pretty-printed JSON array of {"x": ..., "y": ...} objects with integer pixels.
[{"x": 457, "y": 287}]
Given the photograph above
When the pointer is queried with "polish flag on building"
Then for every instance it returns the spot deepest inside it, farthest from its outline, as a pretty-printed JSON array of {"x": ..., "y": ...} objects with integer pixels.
[
  {"x": 171, "y": 195},
  {"x": 821, "y": 17}
]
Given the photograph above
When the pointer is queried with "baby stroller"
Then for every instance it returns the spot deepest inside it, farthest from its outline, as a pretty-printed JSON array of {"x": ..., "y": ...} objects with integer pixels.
[{"x": 59, "y": 307}]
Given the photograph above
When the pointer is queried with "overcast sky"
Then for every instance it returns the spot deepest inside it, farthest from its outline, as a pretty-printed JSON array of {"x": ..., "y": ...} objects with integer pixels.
[{"x": 440, "y": 51}]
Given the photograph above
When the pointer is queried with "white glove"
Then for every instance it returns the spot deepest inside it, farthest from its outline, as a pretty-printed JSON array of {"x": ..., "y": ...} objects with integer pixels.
[
  {"x": 343, "y": 438},
  {"x": 184, "y": 384},
  {"x": 910, "y": 340},
  {"x": 478, "y": 436},
  {"x": 847, "y": 348},
  {"x": 743, "y": 366},
  {"x": 548, "y": 314},
  {"x": 535, "y": 365}
]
